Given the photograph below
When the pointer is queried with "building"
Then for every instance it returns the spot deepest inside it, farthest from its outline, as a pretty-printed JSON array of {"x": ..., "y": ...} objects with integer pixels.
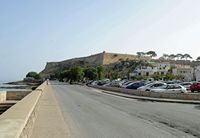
[
  {"x": 156, "y": 68},
  {"x": 197, "y": 73},
  {"x": 184, "y": 70},
  {"x": 163, "y": 68}
]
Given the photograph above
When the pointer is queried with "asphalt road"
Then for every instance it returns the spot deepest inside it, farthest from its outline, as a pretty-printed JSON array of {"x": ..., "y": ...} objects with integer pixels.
[{"x": 92, "y": 114}]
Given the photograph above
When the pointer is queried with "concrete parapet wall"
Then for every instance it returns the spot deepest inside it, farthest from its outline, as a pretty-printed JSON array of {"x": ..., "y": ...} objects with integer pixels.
[
  {"x": 17, "y": 122},
  {"x": 168, "y": 95},
  {"x": 2, "y": 96}
]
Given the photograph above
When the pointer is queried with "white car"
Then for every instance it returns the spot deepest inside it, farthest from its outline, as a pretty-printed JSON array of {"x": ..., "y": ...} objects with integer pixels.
[
  {"x": 174, "y": 88},
  {"x": 150, "y": 86},
  {"x": 186, "y": 85}
]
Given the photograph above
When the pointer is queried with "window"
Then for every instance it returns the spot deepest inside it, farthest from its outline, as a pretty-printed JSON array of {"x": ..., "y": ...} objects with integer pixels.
[
  {"x": 177, "y": 87},
  {"x": 170, "y": 87},
  {"x": 157, "y": 85}
]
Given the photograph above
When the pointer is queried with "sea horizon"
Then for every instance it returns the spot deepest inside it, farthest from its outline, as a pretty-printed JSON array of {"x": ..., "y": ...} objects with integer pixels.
[
  {"x": 1, "y": 82},
  {"x": 5, "y": 81}
]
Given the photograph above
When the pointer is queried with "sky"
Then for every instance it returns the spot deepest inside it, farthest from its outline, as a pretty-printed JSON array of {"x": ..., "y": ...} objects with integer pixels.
[{"x": 33, "y": 32}]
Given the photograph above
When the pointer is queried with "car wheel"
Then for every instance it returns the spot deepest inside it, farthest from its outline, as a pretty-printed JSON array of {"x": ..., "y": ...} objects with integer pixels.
[
  {"x": 147, "y": 90},
  {"x": 192, "y": 91}
]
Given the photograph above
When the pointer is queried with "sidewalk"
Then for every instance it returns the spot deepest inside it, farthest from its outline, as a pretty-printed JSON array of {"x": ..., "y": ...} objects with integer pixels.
[
  {"x": 49, "y": 122},
  {"x": 151, "y": 99}
]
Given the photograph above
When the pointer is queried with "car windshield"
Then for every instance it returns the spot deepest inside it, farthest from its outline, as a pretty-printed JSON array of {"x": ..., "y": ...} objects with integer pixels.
[
  {"x": 163, "y": 87},
  {"x": 186, "y": 83}
]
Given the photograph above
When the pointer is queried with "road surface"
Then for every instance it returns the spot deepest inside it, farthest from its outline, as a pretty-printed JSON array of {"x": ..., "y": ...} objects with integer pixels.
[{"x": 92, "y": 114}]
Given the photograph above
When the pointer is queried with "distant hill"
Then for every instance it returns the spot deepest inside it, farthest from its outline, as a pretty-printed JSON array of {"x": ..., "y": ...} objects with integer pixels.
[{"x": 103, "y": 59}]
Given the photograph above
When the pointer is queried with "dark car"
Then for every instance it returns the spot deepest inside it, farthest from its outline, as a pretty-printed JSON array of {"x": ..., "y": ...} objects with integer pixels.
[
  {"x": 195, "y": 87},
  {"x": 135, "y": 85}
]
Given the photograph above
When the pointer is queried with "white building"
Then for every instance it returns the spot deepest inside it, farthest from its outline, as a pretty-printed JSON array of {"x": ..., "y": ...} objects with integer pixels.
[
  {"x": 156, "y": 68},
  {"x": 184, "y": 70},
  {"x": 197, "y": 73}
]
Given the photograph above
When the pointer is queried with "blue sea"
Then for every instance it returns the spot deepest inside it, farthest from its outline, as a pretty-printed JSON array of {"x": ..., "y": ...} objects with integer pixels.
[{"x": 9, "y": 87}]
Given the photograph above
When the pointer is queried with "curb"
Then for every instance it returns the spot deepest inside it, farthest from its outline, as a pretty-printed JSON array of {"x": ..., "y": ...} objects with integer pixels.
[{"x": 148, "y": 98}]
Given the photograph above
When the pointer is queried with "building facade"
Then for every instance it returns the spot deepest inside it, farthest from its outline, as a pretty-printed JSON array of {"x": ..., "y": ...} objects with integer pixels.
[
  {"x": 197, "y": 73},
  {"x": 184, "y": 70},
  {"x": 155, "y": 69}
]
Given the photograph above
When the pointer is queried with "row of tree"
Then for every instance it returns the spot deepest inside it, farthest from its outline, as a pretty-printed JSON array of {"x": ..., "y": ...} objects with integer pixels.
[
  {"x": 77, "y": 74},
  {"x": 178, "y": 56}
]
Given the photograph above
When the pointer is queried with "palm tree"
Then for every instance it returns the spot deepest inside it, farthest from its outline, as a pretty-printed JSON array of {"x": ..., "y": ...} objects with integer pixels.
[{"x": 151, "y": 54}]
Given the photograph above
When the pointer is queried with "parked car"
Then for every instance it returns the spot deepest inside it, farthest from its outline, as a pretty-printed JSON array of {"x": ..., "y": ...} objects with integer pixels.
[
  {"x": 93, "y": 83},
  {"x": 186, "y": 85},
  {"x": 170, "y": 82},
  {"x": 115, "y": 84},
  {"x": 177, "y": 88},
  {"x": 195, "y": 87},
  {"x": 135, "y": 85},
  {"x": 174, "y": 82},
  {"x": 107, "y": 85},
  {"x": 150, "y": 86},
  {"x": 127, "y": 83},
  {"x": 103, "y": 82},
  {"x": 88, "y": 82}
]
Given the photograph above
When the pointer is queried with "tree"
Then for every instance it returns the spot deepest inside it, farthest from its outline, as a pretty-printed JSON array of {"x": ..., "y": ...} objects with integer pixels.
[
  {"x": 179, "y": 56},
  {"x": 152, "y": 54},
  {"x": 170, "y": 76},
  {"x": 157, "y": 77},
  {"x": 100, "y": 72},
  {"x": 140, "y": 54},
  {"x": 76, "y": 74},
  {"x": 34, "y": 75},
  {"x": 66, "y": 74},
  {"x": 179, "y": 77},
  {"x": 90, "y": 73},
  {"x": 172, "y": 56},
  {"x": 139, "y": 77},
  {"x": 165, "y": 56},
  {"x": 198, "y": 58},
  {"x": 186, "y": 56}
]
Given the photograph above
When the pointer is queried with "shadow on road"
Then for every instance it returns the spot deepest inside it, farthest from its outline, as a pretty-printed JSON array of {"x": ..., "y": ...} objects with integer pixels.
[
  {"x": 143, "y": 100},
  {"x": 197, "y": 107}
]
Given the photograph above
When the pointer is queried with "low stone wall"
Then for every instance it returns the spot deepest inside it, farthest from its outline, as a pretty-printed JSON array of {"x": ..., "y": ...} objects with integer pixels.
[
  {"x": 2, "y": 96},
  {"x": 168, "y": 95}
]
